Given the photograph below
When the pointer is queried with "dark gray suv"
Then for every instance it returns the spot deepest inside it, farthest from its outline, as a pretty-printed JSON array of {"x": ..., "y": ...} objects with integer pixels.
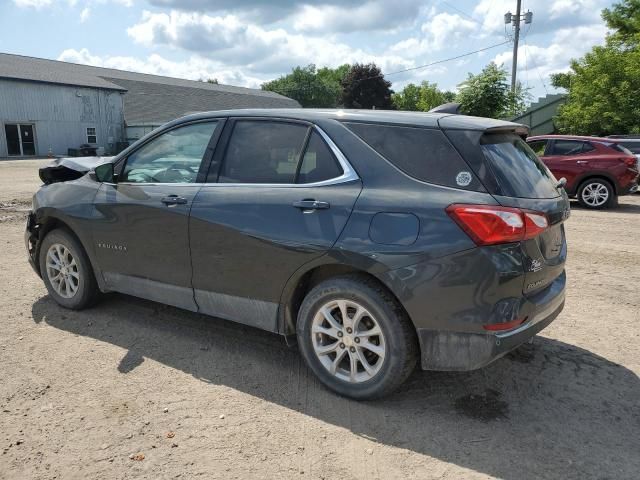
[{"x": 376, "y": 238}]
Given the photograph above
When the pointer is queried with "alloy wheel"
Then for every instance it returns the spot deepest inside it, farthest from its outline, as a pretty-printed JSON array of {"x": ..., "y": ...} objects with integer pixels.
[
  {"x": 595, "y": 194},
  {"x": 62, "y": 270},
  {"x": 348, "y": 341}
]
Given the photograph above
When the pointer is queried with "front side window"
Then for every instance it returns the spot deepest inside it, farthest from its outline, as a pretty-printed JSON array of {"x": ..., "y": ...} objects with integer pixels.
[
  {"x": 538, "y": 146},
  {"x": 173, "y": 157},
  {"x": 263, "y": 152},
  {"x": 318, "y": 163},
  {"x": 91, "y": 135}
]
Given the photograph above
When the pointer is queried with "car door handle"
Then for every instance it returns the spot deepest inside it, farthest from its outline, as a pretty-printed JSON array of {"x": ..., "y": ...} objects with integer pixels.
[
  {"x": 582, "y": 161},
  {"x": 311, "y": 205},
  {"x": 174, "y": 200}
]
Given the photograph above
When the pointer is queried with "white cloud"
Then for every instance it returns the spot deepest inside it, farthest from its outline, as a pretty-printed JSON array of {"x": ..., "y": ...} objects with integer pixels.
[
  {"x": 32, "y": 3},
  {"x": 193, "y": 68},
  {"x": 85, "y": 14},
  {"x": 442, "y": 30},
  {"x": 232, "y": 40},
  {"x": 372, "y": 15},
  {"x": 38, "y": 4},
  {"x": 547, "y": 16},
  {"x": 568, "y": 43}
]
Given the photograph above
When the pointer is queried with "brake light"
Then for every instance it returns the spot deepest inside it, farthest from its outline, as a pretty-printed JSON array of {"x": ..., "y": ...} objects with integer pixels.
[
  {"x": 492, "y": 225},
  {"x": 630, "y": 161}
]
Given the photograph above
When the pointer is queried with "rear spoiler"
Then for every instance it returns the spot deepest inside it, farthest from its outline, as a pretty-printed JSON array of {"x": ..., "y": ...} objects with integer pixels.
[{"x": 482, "y": 124}]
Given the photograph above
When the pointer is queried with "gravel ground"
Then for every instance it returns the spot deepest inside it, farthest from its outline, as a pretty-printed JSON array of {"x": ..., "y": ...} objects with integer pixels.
[{"x": 134, "y": 389}]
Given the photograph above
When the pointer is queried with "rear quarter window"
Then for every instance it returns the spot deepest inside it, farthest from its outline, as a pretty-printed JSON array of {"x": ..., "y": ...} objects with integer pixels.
[{"x": 422, "y": 153}]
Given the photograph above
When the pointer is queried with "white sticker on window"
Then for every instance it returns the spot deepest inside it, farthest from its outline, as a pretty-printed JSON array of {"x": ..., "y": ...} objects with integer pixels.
[{"x": 463, "y": 178}]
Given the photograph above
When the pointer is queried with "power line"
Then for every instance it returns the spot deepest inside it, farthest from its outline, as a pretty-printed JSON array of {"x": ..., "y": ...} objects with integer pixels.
[
  {"x": 462, "y": 12},
  {"x": 419, "y": 67},
  {"x": 443, "y": 60},
  {"x": 532, "y": 59}
]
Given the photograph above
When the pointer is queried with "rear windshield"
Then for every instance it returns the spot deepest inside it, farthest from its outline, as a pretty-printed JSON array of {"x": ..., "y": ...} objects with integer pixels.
[
  {"x": 518, "y": 171},
  {"x": 423, "y": 153}
]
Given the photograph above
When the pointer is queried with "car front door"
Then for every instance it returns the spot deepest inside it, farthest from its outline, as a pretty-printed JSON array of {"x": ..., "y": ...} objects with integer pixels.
[
  {"x": 567, "y": 158},
  {"x": 141, "y": 225},
  {"x": 278, "y": 197}
]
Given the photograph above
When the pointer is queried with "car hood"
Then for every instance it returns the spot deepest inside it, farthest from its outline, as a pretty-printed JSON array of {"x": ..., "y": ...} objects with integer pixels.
[{"x": 65, "y": 169}]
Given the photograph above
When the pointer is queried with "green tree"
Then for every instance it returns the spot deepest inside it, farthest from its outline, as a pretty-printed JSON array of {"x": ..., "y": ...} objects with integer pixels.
[
  {"x": 603, "y": 93},
  {"x": 603, "y": 85},
  {"x": 364, "y": 86},
  {"x": 488, "y": 94},
  {"x": 408, "y": 98},
  {"x": 624, "y": 19},
  {"x": 311, "y": 87},
  {"x": 421, "y": 98}
]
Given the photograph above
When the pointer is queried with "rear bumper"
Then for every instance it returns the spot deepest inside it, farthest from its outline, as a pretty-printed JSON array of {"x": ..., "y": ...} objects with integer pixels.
[{"x": 443, "y": 350}]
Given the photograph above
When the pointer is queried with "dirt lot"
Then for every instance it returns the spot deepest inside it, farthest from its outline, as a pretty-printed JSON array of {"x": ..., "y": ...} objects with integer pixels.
[{"x": 83, "y": 392}]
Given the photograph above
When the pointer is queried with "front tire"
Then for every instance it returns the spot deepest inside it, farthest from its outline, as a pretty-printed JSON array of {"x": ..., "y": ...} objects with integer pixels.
[
  {"x": 597, "y": 194},
  {"x": 356, "y": 338},
  {"x": 66, "y": 271}
]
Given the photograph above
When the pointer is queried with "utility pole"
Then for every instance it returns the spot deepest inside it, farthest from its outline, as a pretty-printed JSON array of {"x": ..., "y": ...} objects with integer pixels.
[{"x": 515, "y": 20}]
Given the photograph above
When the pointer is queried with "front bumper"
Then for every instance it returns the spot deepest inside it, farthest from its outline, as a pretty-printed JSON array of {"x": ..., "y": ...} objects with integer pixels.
[
  {"x": 31, "y": 241},
  {"x": 446, "y": 350}
]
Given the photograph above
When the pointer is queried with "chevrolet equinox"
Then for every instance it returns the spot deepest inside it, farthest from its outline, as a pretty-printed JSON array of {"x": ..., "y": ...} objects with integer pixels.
[{"x": 378, "y": 239}]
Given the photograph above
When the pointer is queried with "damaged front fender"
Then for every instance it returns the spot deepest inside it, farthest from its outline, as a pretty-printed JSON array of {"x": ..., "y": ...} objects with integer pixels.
[{"x": 65, "y": 169}]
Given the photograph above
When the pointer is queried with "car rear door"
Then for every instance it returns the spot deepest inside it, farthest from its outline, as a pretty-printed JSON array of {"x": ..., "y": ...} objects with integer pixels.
[
  {"x": 141, "y": 222},
  {"x": 568, "y": 159},
  {"x": 525, "y": 184},
  {"x": 277, "y": 196}
]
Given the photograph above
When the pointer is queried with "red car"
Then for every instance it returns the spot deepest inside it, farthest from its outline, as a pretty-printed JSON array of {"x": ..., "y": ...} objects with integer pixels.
[{"x": 597, "y": 169}]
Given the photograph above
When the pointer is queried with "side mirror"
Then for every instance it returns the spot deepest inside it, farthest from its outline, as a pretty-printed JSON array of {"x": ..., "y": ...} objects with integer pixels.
[
  {"x": 103, "y": 173},
  {"x": 561, "y": 183}
]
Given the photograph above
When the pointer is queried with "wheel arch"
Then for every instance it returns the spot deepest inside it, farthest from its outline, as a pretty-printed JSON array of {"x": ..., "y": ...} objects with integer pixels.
[
  {"x": 52, "y": 222},
  {"x": 596, "y": 176},
  {"x": 303, "y": 281}
]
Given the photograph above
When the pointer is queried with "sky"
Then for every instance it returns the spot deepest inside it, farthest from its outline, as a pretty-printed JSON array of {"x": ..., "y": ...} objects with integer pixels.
[{"x": 248, "y": 42}]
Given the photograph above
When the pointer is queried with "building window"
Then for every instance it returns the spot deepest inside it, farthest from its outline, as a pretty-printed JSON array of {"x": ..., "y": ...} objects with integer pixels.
[{"x": 91, "y": 135}]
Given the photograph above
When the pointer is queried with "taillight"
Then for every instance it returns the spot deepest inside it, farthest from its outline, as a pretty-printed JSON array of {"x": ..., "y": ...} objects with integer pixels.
[
  {"x": 492, "y": 225},
  {"x": 630, "y": 161}
]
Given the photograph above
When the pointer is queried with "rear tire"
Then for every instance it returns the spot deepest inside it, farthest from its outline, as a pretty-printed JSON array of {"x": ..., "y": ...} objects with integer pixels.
[
  {"x": 596, "y": 194},
  {"x": 66, "y": 271},
  {"x": 377, "y": 333}
]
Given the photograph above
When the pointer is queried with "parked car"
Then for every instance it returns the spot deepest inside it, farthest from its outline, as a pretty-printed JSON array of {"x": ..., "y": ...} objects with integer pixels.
[
  {"x": 597, "y": 170},
  {"x": 630, "y": 142},
  {"x": 376, "y": 238}
]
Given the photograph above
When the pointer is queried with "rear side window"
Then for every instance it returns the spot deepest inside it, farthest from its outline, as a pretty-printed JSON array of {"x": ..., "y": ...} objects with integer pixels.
[
  {"x": 568, "y": 147},
  {"x": 517, "y": 169},
  {"x": 318, "y": 163},
  {"x": 587, "y": 147},
  {"x": 263, "y": 152},
  {"x": 423, "y": 153}
]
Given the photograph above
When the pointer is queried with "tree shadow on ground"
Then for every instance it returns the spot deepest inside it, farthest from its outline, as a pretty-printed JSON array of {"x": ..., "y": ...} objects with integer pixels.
[{"x": 548, "y": 407}]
